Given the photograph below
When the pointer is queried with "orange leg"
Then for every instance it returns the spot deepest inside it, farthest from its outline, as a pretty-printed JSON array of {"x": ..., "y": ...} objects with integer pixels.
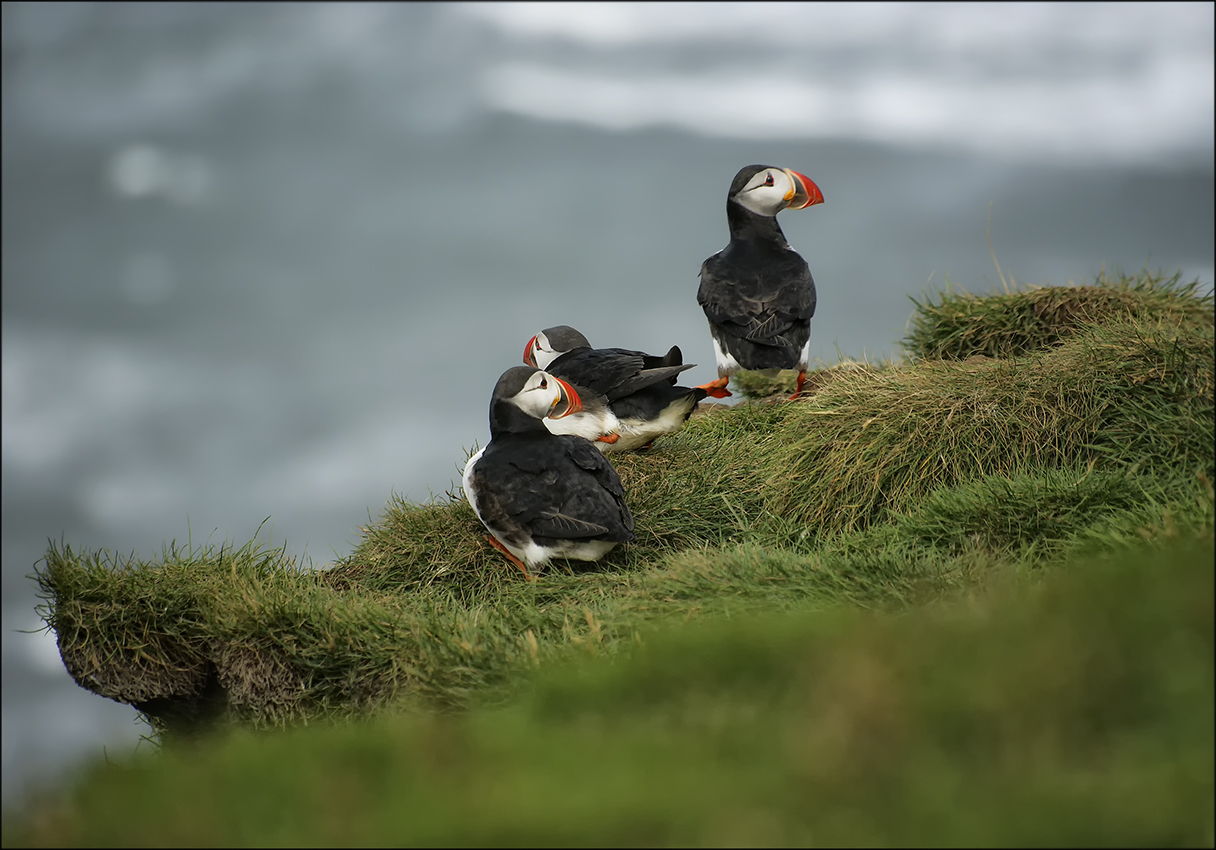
[
  {"x": 717, "y": 388},
  {"x": 798, "y": 388},
  {"x": 497, "y": 544},
  {"x": 607, "y": 438}
]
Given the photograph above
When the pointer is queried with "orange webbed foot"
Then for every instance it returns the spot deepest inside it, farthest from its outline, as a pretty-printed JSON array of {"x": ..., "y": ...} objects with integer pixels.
[
  {"x": 798, "y": 388},
  {"x": 497, "y": 544},
  {"x": 717, "y": 389}
]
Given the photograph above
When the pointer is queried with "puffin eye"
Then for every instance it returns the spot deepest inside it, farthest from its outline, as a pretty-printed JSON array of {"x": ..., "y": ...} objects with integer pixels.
[
  {"x": 768, "y": 181},
  {"x": 544, "y": 385}
]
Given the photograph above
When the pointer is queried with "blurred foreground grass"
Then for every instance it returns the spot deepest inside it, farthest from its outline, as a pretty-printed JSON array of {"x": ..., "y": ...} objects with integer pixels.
[{"x": 1076, "y": 710}]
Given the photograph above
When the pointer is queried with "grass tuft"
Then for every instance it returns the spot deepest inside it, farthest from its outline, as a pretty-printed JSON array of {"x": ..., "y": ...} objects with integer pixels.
[
  {"x": 1129, "y": 395},
  {"x": 959, "y": 325}
]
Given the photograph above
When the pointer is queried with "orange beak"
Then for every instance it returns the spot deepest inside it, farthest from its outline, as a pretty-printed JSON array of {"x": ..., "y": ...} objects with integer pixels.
[
  {"x": 805, "y": 193},
  {"x": 568, "y": 401},
  {"x": 529, "y": 358}
]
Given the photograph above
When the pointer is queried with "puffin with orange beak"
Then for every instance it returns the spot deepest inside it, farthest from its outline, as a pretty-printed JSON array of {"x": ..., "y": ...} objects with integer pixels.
[
  {"x": 640, "y": 389},
  {"x": 543, "y": 495},
  {"x": 757, "y": 292}
]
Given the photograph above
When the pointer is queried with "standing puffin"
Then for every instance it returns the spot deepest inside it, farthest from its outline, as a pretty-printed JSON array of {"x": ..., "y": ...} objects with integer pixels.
[
  {"x": 640, "y": 388},
  {"x": 757, "y": 292},
  {"x": 543, "y": 495}
]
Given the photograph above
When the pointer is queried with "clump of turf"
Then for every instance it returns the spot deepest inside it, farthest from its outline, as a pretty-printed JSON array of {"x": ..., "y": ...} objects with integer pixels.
[
  {"x": 1126, "y": 395},
  {"x": 960, "y": 325},
  {"x": 759, "y": 386}
]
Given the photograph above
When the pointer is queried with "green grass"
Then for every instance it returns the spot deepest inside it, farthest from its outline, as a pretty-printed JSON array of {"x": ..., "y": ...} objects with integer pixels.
[
  {"x": 912, "y": 492},
  {"x": 1128, "y": 395},
  {"x": 958, "y": 325},
  {"x": 1071, "y": 710}
]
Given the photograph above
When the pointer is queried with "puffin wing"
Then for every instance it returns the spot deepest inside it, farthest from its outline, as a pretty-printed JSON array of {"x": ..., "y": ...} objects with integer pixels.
[
  {"x": 597, "y": 369},
  {"x": 609, "y": 495},
  {"x": 651, "y": 402},
  {"x": 514, "y": 484},
  {"x": 567, "y": 490},
  {"x": 504, "y": 505},
  {"x": 646, "y": 378},
  {"x": 557, "y": 524},
  {"x": 536, "y": 503},
  {"x": 673, "y": 357},
  {"x": 767, "y": 309},
  {"x": 584, "y": 509},
  {"x": 613, "y": 372}
]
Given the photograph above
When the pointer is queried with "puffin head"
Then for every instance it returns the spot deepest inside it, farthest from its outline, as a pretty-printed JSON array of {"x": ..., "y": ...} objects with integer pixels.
[
  {"x": 552, "y": 343},
  {"x": 537, "y": 393},
  {"x": 767, "y": 190}
]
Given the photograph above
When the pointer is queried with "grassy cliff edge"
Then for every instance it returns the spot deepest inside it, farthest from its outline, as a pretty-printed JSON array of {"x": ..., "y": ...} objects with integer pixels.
[{"x": 1025, "y": 431}]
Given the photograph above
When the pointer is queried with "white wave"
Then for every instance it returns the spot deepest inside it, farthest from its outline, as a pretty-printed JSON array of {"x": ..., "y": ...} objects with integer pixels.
[
  {"x": 1120, "y": 84},
  {"x": 1153, "y": 116},
  {"x": 377, "y": 454},
  {"x": 27, "y": 641},
  {"x": 59, "y": 394},
  {"x": 980, "y": 27}
]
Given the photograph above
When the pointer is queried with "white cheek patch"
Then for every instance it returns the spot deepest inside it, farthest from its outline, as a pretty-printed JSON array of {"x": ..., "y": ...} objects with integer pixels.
[
  {"x": 766, "y": 200},
  {"x": 727, "y": 364},
  {"x": 542, "y": 351},
  {"x": 534, "y": 402}
]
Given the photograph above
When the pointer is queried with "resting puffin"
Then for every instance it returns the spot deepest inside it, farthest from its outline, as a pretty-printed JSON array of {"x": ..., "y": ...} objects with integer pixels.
[
  {"x": 640, "y": 388},
  {"x": 543, "y": 495},
  {"x": 594, "y": 421},
  {"x": 757, "y": 292}
]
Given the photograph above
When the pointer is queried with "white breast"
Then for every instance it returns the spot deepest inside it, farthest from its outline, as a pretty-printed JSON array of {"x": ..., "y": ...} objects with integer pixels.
[
  {"x": 466, "y": 481},
  {"x": 727, "y": 364},
  {"x": 639, "y": 432},
  {"x": 586, "y": 425},
  {"x": 804, "y": 358}
]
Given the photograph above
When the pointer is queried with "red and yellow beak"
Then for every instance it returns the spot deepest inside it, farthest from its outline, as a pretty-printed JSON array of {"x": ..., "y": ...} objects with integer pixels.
[
  {"x": 804, "y": 194},
  {"x": 567, "y": 401},
  {"x": 529, "y": 357}
]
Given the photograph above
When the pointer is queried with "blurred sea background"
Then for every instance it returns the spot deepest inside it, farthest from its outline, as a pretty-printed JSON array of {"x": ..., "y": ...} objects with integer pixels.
[{"x": 268, "y": 260}]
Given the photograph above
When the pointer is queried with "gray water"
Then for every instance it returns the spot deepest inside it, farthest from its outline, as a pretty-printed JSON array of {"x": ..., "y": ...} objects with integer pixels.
[{"x": 267, "y": 261}]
